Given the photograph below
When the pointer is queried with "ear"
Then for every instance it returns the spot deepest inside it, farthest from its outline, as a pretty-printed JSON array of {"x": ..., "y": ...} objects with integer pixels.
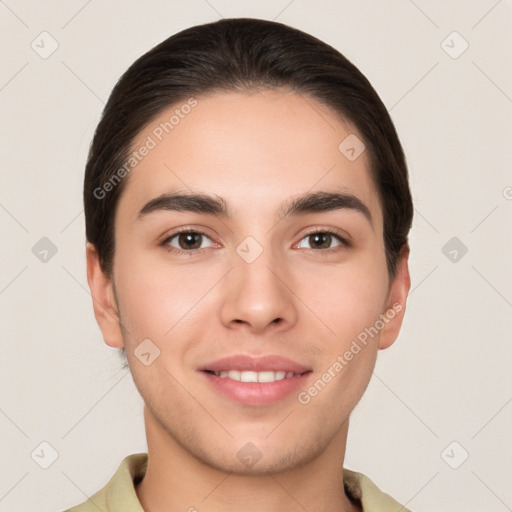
[
  {"x": 395, "y": 304},
  {"x": 103, "y": 299}
]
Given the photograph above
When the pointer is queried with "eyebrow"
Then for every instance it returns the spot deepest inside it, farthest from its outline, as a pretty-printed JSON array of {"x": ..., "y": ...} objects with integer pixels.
[{"x": 312, "y": 202}]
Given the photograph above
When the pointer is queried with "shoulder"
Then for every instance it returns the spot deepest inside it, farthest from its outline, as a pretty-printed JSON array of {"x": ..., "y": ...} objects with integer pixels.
[
  {"x": 360, "y": 488},
  {"x": 119, "y": 493}
]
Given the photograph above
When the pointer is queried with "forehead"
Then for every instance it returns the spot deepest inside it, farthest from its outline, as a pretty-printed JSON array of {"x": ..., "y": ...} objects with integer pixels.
[{"x": 252, "y": 149}]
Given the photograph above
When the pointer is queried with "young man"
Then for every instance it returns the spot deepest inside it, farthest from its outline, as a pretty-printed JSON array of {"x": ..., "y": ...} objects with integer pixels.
[{"x": 247, "y": 211}]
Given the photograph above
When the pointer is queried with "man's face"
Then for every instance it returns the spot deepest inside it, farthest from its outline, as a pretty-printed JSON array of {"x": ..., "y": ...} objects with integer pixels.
[{"x": 253, "y": 284}]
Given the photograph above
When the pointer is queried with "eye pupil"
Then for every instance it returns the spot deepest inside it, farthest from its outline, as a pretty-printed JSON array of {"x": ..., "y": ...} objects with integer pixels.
[
  {"x": 186, "y": 240},
  {"x": 321, "y": 239}
]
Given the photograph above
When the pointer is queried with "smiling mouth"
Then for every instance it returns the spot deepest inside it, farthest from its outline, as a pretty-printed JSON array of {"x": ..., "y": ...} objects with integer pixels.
[{"x": 252, "y": 376}]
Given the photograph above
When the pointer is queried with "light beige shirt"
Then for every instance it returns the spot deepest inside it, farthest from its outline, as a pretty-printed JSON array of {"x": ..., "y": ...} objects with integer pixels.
[{"x": 119, "y": 494}]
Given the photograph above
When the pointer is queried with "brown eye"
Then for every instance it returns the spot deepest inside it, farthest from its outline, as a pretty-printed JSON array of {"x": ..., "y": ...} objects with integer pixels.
[
  {"x": 189, "y": 240},
  {"x": 323, "y": 240},
  {"x": 320, "y": 240},
  {"x": 186, "y": 241}
]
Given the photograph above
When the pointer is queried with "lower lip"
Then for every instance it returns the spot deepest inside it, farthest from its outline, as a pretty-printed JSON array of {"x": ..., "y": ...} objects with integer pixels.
[{"x": 256, "y": 393}]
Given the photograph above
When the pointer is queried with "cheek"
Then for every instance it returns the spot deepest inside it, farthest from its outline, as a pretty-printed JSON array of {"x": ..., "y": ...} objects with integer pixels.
[
  {"x": 348, "y": 298},
  {"x": 350, "y": 305},
  {"x": 149, "y": 296},
  {"x": 159, "y": 301}
]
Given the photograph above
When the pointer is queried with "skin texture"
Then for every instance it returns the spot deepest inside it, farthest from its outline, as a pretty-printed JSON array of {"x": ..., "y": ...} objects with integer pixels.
[{"x": 255, "y": 150}]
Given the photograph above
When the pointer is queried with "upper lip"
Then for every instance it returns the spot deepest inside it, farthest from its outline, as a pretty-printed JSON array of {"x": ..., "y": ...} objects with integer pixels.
[{"x": 244, "y": 362}]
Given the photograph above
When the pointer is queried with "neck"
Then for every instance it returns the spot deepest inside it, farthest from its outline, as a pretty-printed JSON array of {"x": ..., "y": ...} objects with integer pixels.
[{"x": 177, "y": 480}]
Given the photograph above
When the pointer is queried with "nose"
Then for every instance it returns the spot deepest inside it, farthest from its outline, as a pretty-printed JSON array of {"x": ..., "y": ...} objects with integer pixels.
[{"x": 258, "y": 296}]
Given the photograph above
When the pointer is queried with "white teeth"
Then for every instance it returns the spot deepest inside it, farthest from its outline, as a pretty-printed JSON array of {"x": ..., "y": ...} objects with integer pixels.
[
  {"x": 266, "y": 376},
  {"x": 250, "y": 376}
]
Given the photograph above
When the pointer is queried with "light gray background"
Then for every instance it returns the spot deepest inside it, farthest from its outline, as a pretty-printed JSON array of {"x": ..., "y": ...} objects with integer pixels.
[{"x": 448, "y": 376}]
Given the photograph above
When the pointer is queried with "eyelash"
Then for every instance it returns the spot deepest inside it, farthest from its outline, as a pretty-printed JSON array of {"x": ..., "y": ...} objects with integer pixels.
[{"x": 336, "y": 234}]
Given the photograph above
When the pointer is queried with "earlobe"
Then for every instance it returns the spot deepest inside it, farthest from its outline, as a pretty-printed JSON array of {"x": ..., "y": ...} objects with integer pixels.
[
  {"x": 104, "y": 303},
  {"x": 397, "y": 298}
]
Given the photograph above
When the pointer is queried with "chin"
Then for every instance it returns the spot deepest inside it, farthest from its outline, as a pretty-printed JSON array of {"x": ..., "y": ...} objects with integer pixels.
[{"x": 259, "y": 456}]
